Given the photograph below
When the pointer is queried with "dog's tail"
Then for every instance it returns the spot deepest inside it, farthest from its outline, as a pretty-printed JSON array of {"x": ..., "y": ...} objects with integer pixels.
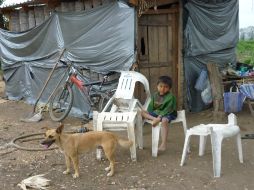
[{"x": 124, "y": 143}]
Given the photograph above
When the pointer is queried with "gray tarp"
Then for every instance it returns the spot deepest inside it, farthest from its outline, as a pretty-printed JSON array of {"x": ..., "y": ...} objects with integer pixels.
[
  {"x": 100, "y": 39},
  {"x": 210, "y": 35}
]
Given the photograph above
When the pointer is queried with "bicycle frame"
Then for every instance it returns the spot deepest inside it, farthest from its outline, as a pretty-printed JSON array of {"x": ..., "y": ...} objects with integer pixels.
[
  {"x": 62, "y": 99},
  {"x": 74, "y": 73}
]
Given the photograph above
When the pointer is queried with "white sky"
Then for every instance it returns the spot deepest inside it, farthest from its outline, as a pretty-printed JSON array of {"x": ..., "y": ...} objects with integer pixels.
[{"x": 246, "y": 13}]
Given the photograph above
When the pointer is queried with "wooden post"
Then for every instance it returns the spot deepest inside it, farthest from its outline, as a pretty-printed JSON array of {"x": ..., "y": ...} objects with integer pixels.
[
  {"x": 250, "y": 106},
  {"x": 180, "y": 78},
  {"x": 217, "y": 90}
]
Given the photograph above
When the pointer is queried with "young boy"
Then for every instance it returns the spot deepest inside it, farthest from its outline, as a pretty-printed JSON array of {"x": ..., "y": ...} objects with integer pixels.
[{"x": 162, "y": 108}]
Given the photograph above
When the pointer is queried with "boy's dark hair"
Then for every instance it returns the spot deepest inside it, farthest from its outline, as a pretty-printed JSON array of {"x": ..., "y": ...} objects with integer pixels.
[{"x": 166, "y": 80}]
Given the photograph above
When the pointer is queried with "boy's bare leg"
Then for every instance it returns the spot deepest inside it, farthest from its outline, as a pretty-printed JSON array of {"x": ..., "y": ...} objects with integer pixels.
[
  {"x": 155, "y": 120},
  {"x": 164, "y": 134}
]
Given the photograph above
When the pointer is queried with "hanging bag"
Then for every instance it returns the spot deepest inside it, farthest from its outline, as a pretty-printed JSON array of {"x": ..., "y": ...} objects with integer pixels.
[
  {"x": 233, "y": 101},
  {"x": 201, "y": 82}
]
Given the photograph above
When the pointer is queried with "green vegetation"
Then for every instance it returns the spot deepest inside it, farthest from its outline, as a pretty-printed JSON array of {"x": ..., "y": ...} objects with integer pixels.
[{"x": 245, "y": 52}]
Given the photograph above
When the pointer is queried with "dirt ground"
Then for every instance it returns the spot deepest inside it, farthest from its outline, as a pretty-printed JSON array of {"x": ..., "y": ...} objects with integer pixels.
[{"x": 163, "y": 172}]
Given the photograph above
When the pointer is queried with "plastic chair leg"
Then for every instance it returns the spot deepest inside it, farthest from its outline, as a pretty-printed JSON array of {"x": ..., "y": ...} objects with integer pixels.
[
  {"x": 184, "y": 125},
  {"x": 131, "y": 136},
  {"x": 185, "y": 148},
  {"x": 139, "y": 127},
  {"x": 155, "y": 139},
  {"x": 95, "y": 116},
  {"x": 185, "y": 131},
  {"x": 216, "y": 141},
  {"x": 202, "y": 144},
  {"x": 98, "y": 154},
  {"x": 185, "y": 128},
  {"x": 239, "y": 147},
  {"x": 98, "y": 128}
]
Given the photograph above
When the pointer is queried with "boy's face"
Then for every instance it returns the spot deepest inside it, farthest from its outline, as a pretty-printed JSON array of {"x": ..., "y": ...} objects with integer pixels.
[{"x": 163, "y": 88}]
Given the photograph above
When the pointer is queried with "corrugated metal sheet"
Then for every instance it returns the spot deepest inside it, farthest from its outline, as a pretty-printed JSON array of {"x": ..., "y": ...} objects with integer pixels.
[{"x": 10, "y": 3}]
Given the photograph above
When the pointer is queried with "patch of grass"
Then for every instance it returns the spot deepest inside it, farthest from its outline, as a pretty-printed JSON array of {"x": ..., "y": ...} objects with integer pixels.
[{"x": 245, "y": 52}]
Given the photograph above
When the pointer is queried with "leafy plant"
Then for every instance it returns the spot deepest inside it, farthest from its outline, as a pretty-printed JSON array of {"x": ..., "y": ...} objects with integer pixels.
[{"x": 245, "y": 52}]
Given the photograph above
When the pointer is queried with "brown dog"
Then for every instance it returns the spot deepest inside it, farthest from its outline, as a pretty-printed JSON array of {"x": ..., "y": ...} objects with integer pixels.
[{"x": 74, "y": 144}]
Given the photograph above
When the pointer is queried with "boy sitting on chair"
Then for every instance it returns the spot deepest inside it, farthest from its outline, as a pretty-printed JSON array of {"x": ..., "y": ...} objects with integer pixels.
[{"x": 162, "y": 108}]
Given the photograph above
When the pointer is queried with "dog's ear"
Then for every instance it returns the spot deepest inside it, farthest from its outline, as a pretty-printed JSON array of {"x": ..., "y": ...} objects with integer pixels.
[{"x": 60, "y": 128}]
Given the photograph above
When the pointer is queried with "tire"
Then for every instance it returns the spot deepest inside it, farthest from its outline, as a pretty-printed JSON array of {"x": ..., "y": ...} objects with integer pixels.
[
  {"x": 96, "y": 99},
  {"x": 60, "y": 103},
  {"x": 104, "y": 100}
]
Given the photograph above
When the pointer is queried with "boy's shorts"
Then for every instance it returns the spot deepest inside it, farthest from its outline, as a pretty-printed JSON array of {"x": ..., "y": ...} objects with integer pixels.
[{"x": 170, "y": 116}]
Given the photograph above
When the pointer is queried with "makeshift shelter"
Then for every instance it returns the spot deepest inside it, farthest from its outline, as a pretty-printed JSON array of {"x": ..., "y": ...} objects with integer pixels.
[
  {"x": 170, "y": 37},
  {"x": 211, "y": 33},
  {"x": 101, "y": 40}
]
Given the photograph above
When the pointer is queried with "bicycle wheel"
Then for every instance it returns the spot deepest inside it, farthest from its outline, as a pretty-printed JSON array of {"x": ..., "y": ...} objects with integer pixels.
[
  {"x": 96, "y": 99},
  {"x": 60, "y": 103},
  {"x": 104, "y": 99}
]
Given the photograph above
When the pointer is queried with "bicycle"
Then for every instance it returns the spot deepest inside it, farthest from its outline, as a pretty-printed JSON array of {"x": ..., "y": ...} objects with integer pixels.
[{"x": 61, "y": 101}]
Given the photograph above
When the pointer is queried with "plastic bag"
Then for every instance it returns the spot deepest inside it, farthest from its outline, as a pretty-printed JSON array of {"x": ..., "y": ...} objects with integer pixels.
[
  {"x": 233, "y": 101},
  {"x": 206, "y": 94},
  {"x": 202, "y": 81}
]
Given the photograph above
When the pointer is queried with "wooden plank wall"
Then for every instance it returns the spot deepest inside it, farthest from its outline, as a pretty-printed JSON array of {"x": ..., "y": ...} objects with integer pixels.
[
  {"x": 158, "y": 48},
  {"x": 29, "y": 17}
]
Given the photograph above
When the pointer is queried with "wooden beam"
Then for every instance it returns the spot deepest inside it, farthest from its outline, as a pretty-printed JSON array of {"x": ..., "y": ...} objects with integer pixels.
[
  {"x": 133, "y": 2},
  {"x": 158, "y": 2},
  {"x": 161, "y": 11},
  {"x": 166, "y": 2},
  {"x": 180, "y": 82},
  {"x": 217, "y": 90},
  {"x": 154, "y": 23},
  {"x": 30, "y": 3}
]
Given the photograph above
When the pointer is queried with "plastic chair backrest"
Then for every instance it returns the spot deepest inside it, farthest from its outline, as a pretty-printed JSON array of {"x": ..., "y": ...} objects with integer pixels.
[{"x": 126, "y": 85}]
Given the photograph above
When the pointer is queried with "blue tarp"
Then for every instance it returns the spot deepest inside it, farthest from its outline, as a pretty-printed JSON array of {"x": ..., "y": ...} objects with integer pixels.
[
  {"x": 100, "y": 39},
  {"x": 210, "y": 36}
]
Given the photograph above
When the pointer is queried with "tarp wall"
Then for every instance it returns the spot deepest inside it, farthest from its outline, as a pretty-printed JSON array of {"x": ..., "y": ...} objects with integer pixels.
[
  {"x": 100, "y": 39},
  {"x": 210, "y": 36}
]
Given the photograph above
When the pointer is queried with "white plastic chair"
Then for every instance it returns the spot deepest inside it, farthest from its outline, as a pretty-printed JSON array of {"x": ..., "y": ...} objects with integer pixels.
[
  {"x": 156, "y": 130},
  {"x": 123, "y": 113},
  {"x": 125, "y": 121},
  {"x": 123, "y": 99},
  {"x": 217, "y": 132}
]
